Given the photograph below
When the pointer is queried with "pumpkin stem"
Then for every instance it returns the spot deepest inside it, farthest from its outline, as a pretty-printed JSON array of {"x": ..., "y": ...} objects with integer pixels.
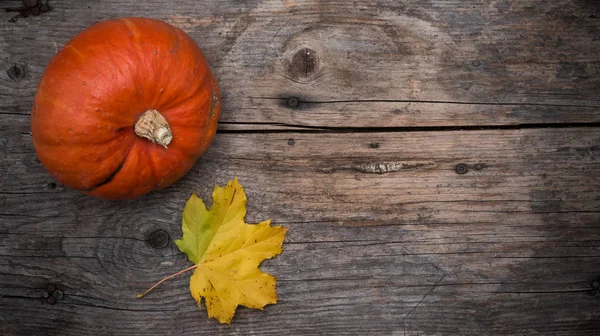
[{"x": 154, "y": 127}]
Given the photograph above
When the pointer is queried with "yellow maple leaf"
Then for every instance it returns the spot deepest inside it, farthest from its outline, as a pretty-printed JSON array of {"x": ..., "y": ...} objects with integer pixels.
[{"x": 227, "y": 252}]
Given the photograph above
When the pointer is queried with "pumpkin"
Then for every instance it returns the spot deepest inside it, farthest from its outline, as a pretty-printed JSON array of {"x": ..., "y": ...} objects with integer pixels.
[{"x": 124, "y": 108}]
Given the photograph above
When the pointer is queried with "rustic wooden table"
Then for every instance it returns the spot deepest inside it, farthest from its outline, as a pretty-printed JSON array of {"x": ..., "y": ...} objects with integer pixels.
[{"x": 437, "y": 164}]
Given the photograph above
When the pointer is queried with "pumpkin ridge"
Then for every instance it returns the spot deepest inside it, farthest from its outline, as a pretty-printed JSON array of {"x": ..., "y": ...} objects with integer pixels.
[
  {"x": 174, "y": 104},
  {"x": 151, "y": 164},
  {"x": 109, "y": 178},
  {"x": 112, "y": 175},
  {"x": 42, "y": 97},
  {"x": 200, "y": 84},
  {"x": 184, "y": 109},
  {"x": 184, "y": 106},
  {"x": 133, "y": 29},
  {"x": 69, "y": 46}
]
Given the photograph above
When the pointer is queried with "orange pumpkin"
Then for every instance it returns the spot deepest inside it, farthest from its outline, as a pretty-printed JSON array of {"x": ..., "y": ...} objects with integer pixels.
[{"x": 124, "y": 108}]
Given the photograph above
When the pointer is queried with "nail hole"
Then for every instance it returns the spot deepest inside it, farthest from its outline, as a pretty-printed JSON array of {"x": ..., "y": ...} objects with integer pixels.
[
  {"x": 476, "y": 63},
  {"x": 461, "y": 168},
  {"x": 374, "y": 145},
  {"x": 51, "y": 185},
  {"x": 52, "y": 295},
  {"x": 293, "y": 102},
  {"x": 291, "y": 142},
  {"x": 58, "y": 295}
]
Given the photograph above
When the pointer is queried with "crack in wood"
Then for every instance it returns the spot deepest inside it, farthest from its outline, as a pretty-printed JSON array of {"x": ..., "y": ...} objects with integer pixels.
[
  {"x": 407, "y": 129},
  {"x": 449, "y": 102},
  {"x": 379, "y": 168},
  {"x": 424, "y": 297}
]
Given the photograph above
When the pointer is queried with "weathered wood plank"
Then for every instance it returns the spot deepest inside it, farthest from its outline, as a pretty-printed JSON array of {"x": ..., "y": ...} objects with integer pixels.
[
  {"x": 357, "y": 64},
  {"x": 385, "y": 237}
]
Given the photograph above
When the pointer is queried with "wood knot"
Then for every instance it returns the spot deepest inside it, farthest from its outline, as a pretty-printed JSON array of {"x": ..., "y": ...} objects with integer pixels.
[
  {"x": 17, "y": 71},
  {"x": 305, "y": 64},
  {"x": 159, "y": 239}
]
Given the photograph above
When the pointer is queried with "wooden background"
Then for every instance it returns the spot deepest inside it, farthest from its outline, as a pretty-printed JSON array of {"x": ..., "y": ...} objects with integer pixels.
[{"x": 385, "y": 237}]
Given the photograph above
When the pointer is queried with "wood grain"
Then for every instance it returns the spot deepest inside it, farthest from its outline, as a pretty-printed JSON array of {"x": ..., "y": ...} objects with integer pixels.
[
  {"x": 375, "y": 63},
  {"x": 386, "y": 238},
  {"x": 383, "y": 239}
]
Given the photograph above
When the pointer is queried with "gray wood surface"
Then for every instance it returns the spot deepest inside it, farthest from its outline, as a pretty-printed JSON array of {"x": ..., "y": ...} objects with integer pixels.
[{"x": 386, "y": 238}]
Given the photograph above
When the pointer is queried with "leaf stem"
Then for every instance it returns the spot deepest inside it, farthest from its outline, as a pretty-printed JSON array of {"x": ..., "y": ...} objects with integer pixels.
[{"x": 139, "y": 296}]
